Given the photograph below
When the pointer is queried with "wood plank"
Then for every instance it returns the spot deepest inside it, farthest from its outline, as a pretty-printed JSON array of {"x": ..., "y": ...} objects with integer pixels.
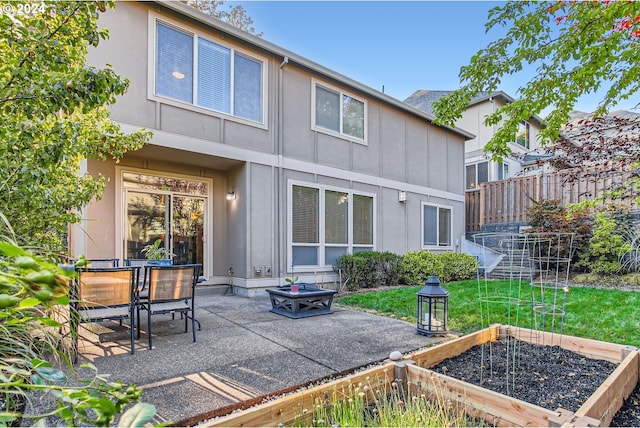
[
  {"x": 442, "y": 351},
  {"x": 495, "y": 407},
  {"x": 605, "y": 402},
  {"x": 591, "y": 348},
  {"x": 286, "y": 409}
]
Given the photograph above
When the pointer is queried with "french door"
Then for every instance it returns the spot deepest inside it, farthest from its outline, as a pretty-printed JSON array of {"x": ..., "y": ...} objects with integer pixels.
[{"x": 169, "y": 209}]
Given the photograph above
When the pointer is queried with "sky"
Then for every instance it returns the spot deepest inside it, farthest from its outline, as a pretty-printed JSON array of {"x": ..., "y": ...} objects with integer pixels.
[{"x": 396, "y": 47}]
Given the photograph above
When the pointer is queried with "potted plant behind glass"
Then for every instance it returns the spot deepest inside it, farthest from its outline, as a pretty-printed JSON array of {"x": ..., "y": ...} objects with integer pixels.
[{"x": 157, "y": 255}]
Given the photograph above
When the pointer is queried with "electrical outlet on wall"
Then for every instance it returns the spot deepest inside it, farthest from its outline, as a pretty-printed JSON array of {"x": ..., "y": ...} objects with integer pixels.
[
  {"x": 257, "y": 270},
  {"x": 267, "y": 271}
]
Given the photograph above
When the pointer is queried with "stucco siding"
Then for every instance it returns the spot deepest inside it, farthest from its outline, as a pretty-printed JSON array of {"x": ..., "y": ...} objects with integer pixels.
[
  {"x": 393, "y": 145},
  {"x": 366, "y": 158},
  {"x": 419, "y": 160},
  {"x": 261, "y": 218},
  {"x": 392, "y": 222},
  {"x": 181, "y": 121},
  {"x": 298, "y": 141},
  {"x": 100, "y": 224}
]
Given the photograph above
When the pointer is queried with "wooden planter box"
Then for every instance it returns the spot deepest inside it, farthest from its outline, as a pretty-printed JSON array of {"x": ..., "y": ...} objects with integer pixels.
[{"x": 597, "y": 410}]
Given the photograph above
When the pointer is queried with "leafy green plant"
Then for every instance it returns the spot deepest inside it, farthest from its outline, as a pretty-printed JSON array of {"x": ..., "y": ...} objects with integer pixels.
[
  {"x": 32, "y": 292},
  {"x": 368, "y": 269},
  {"x": 631, "y": 259},
  {"x": 156, "y": 252},
  {"x": 549, "y": 216},
  {"x": 379, "y": 403},
  {"x": 458, "y": 266},
  {"x": 417, "y": 266},
  {"x": 54, "y": 109},
  {"x": 351, "y": 268},
  {"x": 606, "y": 246}
]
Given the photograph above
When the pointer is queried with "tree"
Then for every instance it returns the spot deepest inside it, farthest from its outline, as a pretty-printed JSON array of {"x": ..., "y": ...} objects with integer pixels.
[
  {"x": 576, "y": 48},
  {"x": 54, "y": 115},
  {"x": 235, "y": 15}
]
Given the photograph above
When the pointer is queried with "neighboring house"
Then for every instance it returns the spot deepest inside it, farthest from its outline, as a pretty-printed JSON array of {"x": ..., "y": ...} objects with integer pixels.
[
  {"x": 263, "y": 165},
  {"x": 478, "y": 167}
]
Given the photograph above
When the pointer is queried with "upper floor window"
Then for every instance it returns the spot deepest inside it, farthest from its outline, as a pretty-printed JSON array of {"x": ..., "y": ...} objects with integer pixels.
[
  {"x": 523, "y": 136},
  {"x": 476, "y": 174},
  {"x": 195, "y": 70},
  {"x": 339, "y": 112},
  {"x": 327, "y": 223},
  {"x": 503, "y": 171},
  {"x": 436, "y": 226}
]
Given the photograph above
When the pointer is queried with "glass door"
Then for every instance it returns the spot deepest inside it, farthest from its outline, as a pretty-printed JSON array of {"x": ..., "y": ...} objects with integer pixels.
[
  {"x": 187, "y": 229},
  {"x": 170, "y": 209},
  {"x": 147, "y": 221}
]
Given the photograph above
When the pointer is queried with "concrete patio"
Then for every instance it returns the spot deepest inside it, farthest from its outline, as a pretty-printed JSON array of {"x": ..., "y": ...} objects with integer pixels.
[{"x": 242, "y": 353}]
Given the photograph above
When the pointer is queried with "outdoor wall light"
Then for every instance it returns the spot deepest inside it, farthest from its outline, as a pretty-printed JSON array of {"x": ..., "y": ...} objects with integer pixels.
[
  {"x": 402, "y": 196},
  {"x": 231, "y": 195}
]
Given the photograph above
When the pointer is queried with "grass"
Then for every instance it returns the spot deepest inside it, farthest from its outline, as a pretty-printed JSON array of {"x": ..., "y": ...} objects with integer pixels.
[{"x": 601, "y": 314}]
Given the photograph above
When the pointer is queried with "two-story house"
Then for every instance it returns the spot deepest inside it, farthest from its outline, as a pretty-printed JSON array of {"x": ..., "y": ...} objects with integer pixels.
[
  {"x": 479, "y": 168},
  {"x": 263, "y": 164}
]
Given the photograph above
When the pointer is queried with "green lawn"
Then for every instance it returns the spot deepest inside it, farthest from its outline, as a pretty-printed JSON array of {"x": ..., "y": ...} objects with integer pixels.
[{"x": 602, "y": 314}]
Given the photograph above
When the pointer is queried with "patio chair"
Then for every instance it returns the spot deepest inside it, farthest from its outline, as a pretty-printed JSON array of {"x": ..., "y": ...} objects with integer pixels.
[
  {"x": 170, "y": 289},
  {"x": 103, "y": 263},
  {"x": 101, "y": 294}
]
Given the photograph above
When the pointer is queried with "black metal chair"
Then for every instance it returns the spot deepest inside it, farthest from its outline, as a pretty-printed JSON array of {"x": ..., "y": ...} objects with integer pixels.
[
  {"x": 170, "y": 289},
  {"x": 101, "y": 294}
]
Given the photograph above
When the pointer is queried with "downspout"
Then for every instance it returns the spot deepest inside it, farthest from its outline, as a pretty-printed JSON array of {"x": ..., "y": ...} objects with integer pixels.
[{"x": 282, "y": 219}]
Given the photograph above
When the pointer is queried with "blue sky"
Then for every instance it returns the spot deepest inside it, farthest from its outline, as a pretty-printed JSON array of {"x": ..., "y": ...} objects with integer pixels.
[{"x": 402, "y": 46}]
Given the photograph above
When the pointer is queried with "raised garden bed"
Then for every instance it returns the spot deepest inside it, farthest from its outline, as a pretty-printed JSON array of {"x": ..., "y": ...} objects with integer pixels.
[{"x": 414, "y": 372}]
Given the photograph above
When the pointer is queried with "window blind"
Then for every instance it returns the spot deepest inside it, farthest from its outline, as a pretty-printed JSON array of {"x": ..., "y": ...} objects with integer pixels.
[
  {"x": 247, "y": 88},
  {"x": 214, "y": 76},
  {"x": 336, "y": 212},
  {"x": 174, "y": 64},
  {"x": 362, "y": 220},
  {"x": 304, "y": 215}
]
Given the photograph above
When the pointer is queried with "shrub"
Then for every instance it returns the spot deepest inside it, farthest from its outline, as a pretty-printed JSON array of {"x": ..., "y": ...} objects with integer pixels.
[
  {"x": 458, "y": 266},
  {"x": 417, "y": 266},
  {"x": 549, "y": 216},
  {"x": 606, "y": 247},
  {"x": 368, "y": 269},
  {"x": 631, "y": 259}
]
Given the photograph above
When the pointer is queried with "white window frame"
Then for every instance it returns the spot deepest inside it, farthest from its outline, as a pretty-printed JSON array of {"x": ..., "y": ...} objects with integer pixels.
[
  {"x": 151, "y": 81},
  {"x": 314, "y": 84},
  {"x": 475, "y": 169},
  {"x": 503, "y": 170},
  {"x": 422, "y": 219},
  {"x": 322, "y": 265},
  {"x": 527, "y": 127}
]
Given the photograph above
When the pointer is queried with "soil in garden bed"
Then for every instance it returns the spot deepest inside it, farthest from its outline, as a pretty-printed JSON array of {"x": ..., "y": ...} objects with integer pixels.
[{"x": 547, "y": 376}]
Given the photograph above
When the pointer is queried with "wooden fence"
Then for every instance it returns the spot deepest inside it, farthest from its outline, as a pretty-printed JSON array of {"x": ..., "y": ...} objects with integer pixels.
[{"x": 507, "y": 201}]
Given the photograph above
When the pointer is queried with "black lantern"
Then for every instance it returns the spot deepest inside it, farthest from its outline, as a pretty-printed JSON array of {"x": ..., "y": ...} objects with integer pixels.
[{"x": 433, "y": 305}]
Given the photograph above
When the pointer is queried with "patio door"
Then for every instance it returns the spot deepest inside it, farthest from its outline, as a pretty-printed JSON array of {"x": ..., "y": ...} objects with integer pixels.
[{"x": 172, "y": 210}]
